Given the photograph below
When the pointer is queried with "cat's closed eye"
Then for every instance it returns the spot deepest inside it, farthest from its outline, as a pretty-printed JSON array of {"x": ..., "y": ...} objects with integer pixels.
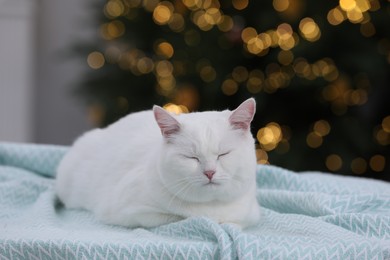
[
  {"x": 192, "y": 158},
  {"x": 222, "y": 154}
]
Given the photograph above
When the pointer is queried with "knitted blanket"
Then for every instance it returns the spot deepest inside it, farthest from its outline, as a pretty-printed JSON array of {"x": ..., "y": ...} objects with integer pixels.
[{"x": 307, "y": 215}]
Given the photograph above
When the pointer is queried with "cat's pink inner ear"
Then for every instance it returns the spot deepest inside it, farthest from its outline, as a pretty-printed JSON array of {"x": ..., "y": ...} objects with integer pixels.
[
  {"x": 167, "y": 123},
  {"x": 242, "y": 117}
]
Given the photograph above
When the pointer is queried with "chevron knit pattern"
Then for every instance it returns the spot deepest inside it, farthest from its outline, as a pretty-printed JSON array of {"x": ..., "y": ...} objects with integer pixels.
[{"x": 305, "y": 216}]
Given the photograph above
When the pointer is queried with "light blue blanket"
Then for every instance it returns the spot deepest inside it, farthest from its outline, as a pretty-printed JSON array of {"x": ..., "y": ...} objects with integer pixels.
[{"x": 305, "y": 216}]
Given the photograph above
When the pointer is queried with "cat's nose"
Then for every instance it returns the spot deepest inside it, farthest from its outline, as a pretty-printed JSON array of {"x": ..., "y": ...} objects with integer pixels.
[{"x": 209, "y": 174}]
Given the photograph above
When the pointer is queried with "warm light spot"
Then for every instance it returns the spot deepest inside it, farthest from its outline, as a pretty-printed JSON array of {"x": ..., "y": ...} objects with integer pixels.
[
  {"x": 202, "y": 20},
  {"x": 166, "y": 85},
  {"x": 229, "y": 87},
  {"x": 165, "y": 49},
  {"x": 363, "y": 5},
  {"x": 356, "y": 97},
  {"x": 309, "y": 29},
  {"x": 176, "y": 109},
  {"x": 321, "y": 127},
  {"x": 333, "y": 162},
  {"x": 335, "y": 16},
  {"x": 382, "y": 137},
  {"x": 285, "y": 36},
  {"x": 112, "y": 30},
  {"x": 386, "y": 124},
  {"x": 359, "y": 165},
  {"x": 281, "y": 5},
  {"x": 255, "y": 45},
  {"x": 274, "y": 38},
  {"x": 355, "y": 15},
  {"x": 177, "y": 23},
  {"x": 213, "y": 16},
  {"x": 255, "y": 81},
  {"x": 262, "y": 156},
  {"x": 193, "y": 4},
  {"x": 347, "y": 5},
  {"x": 164, "y": 68},
  {"x": 226, "y": 23},
  {"x": 240, "y": 4},
  {"x": 145, "y": 65},
  {"x": 95, "y": 60},
  {"x": 269, "y": 136},
  {"x": 377, "y": 163},
  {"x": 248, "y": 33},
  {"x": 208, "y": 74},
  {"x": 114, "y": 8},
  {"x": 162, "y": 14},
  {"x": 284, "y": 31},
  {"x": 314, "y": 140},
  {"x": 266, "y": 39}
]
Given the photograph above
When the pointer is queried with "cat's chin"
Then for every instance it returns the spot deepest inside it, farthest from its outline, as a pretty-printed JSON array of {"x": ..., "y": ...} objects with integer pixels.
[
  {"x": 212, "y": 184},
  {"x": 209, "y": 192}
]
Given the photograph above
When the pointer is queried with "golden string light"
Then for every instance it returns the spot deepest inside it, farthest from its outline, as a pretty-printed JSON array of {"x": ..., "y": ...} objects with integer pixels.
[
  {"x": 176, "y": 109},
  {"x": 359, "y": 165},
  {"x": 164, "y": 49},
  {"x": 112, "y": 30},
  {"x": 229, "y": 87},
  {"x": 163, "y": 64},
  {"x": 255, "y": 81},
  {"x": 356, "y": 11},
  {"x": 281, "y": 5},
  {"x": 333, "y": 162},
  {"x": 95, "y": 60},
  {"x": 163, "y": 13},
  {"x": 382, "y": 132},
  {"x": 377, "y": 163},
  {"x": 269, "y": 136},
  {"x": 262, "y": 156},
  {"x": 114, "y": 8},
  {"x": 177, "y": 23},
  {"x": 320, "y": 129},
  {"x": 208, "y": 73},
  {"x": 336, "y": 16},
  {"x": 309, "y": 29},
  {"x": 240, "y": 4}
]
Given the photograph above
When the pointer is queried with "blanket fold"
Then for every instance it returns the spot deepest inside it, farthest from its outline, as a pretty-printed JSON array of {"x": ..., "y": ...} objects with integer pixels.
[{"x": 307, "y": 215}]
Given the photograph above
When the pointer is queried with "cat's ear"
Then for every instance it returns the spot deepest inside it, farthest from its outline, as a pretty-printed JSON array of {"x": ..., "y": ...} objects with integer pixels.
[
  {"x": 167, "y": 123},
  {"x": 242, "y": 116}
]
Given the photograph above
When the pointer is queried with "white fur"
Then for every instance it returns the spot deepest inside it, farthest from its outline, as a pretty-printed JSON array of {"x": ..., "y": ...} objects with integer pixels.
[{"x": 131, "y": 174}]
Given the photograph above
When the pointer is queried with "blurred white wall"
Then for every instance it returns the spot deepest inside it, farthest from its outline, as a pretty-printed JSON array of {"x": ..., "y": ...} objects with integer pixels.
[
  {"x": 16, "y": 74},
  {"x": 36, "y": 80}
]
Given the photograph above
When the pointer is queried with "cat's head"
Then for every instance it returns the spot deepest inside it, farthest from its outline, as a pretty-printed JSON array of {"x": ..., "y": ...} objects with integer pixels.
[{"x": 207, "y": 156}]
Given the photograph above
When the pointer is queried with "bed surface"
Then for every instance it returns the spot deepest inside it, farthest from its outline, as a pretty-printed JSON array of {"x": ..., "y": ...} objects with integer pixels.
[{"x": 304, "y": 216}]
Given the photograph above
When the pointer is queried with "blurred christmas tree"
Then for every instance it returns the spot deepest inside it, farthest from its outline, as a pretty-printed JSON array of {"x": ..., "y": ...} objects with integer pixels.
[{"x": 319, "y": 71}]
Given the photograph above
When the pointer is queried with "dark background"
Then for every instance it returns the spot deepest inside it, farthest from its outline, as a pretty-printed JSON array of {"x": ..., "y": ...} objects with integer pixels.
[{"x": 319, "y": 71}]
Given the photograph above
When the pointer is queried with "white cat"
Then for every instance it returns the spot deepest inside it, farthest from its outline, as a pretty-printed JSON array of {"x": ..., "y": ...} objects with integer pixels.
[{"x": 152, "y": 167}]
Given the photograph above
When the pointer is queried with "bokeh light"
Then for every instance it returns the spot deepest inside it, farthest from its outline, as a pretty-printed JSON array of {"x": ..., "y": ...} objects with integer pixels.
[{"x": 317, "y": 70}]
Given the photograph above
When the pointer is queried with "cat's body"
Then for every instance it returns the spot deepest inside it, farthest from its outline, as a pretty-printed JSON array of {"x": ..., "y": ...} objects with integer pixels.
[{"x": 152, "y": 168}]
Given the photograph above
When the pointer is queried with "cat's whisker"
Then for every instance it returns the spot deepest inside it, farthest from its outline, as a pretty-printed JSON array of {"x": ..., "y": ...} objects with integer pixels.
[{"x": 184, "y": 188}]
